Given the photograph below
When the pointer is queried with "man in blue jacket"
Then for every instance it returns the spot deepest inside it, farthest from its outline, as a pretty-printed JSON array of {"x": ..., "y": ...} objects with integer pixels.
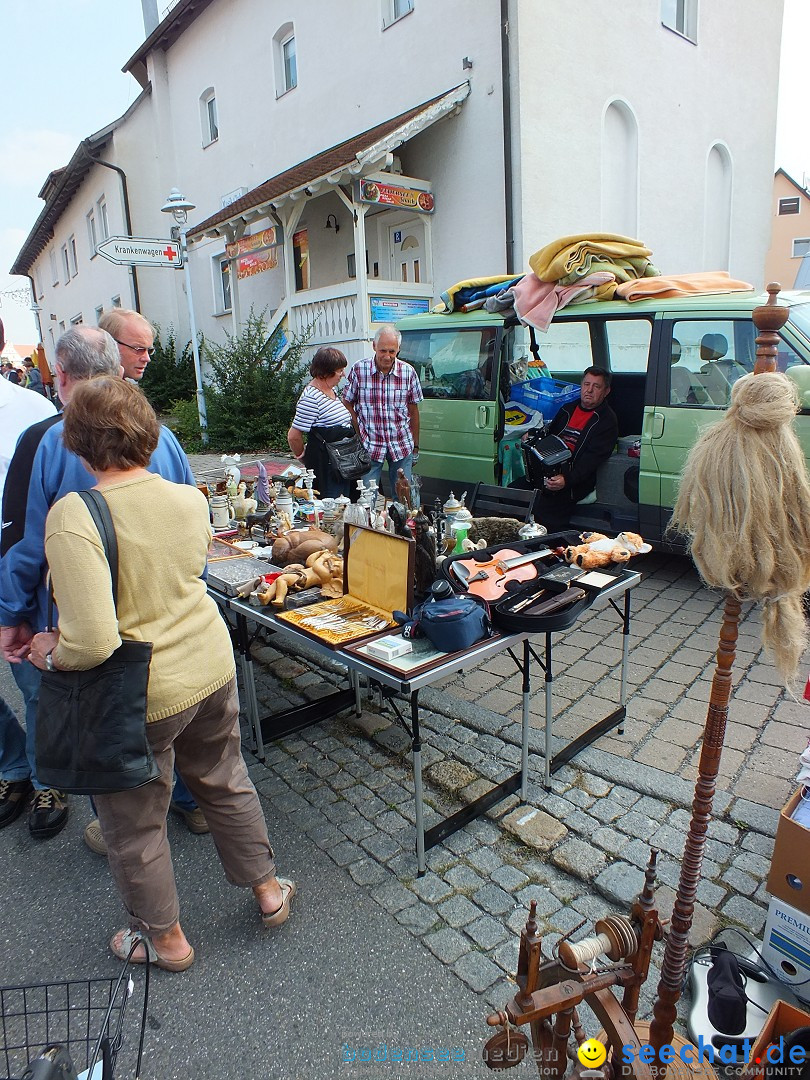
[{"x": 81, "y": 353}]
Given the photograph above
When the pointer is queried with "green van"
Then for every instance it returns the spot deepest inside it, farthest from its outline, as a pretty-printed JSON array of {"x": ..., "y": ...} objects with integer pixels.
[{"x": 673, "y": 364}]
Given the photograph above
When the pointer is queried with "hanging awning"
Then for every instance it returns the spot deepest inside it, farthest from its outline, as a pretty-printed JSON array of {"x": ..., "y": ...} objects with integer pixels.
[{"x": 347, "y": 161}]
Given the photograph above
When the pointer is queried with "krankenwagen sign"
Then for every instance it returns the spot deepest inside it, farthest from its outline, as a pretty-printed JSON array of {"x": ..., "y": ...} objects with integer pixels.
[{"x": 137, "y": 251}]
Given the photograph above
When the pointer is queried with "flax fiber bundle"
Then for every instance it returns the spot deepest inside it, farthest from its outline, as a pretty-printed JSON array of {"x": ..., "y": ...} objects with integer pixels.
[{"x": 744, "y": 504}]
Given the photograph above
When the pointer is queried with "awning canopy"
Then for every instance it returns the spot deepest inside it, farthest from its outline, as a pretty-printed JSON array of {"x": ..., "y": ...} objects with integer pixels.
[{"x": 342, "y": 163}]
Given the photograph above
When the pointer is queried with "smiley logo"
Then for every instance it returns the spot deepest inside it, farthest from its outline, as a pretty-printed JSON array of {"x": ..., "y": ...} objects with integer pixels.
[{"x": 592, "y": 1054}]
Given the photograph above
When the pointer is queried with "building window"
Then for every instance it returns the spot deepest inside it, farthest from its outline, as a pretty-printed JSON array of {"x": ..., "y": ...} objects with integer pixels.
[
  {"x": 393, "y": 10},
  {"x": 208, "y": 117},
  {"x": 222, "y": 284},
  {"x": 680, "y": 16},
  {"x": 789, "y": 206},
  {"x": 65, "y": 265},
  {"x": 38, "y": 285},
  {"x": 103, "y": 226},
  {"x": 77, "y": 320},
  {"x": 72, "y": 260},
  {"x": 99, "y": 313},
  {"x": 116, "y": 301},
  {"x": 54, "y": 267},
  {"x": 620, "y": 170},
  {"x": 800, "y": 248},
  {"x": 62, "y": 326},
  {"x": 286, "y": 59},
  {"x": 91, "y": 233}
]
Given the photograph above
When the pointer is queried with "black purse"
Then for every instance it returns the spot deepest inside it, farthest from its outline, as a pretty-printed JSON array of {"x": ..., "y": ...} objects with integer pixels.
[
  {"x": 91, "y": 725},
  {"x": 348, "y": 458}
]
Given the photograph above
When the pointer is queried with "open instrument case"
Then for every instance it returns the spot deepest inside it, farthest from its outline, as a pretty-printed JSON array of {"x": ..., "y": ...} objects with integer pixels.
[
  {"x": 377, "y": 580},
  {"x": 528, "y": 584}
]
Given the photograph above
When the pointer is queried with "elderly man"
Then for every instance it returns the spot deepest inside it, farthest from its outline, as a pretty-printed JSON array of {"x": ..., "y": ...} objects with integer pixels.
[
  {"x": 589, "y": 429},
  {"x": 135, "y": 337},
  {"x": 382, "y": 394},
  {"x": 52, "y": 471}
]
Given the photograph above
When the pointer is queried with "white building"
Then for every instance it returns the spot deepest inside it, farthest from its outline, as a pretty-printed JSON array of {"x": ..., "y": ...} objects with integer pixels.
[{"x": 480, "y": 130}]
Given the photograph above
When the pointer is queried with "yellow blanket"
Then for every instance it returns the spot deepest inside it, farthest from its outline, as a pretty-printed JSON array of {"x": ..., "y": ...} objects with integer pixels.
[{"x": 572, "y": 257}]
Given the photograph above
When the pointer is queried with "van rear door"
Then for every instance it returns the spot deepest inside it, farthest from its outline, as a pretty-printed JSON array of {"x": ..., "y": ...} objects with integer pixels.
[{"x": 457, "y": 366}]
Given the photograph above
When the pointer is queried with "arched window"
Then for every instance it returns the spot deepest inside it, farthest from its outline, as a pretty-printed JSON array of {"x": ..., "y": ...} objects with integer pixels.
[
  {"x": 717, "y": 215},
  {"x": 285, "y": 58},
  {"x": 619, "y": 169},
  {"x": 209, "y": 122}
]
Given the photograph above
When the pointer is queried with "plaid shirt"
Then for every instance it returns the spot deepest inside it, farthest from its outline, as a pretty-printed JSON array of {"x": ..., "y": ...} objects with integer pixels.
[{"x": 381, "y": 404}]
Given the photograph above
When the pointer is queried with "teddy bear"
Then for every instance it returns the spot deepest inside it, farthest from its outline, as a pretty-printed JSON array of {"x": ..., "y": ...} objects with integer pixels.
[{"x": 599, "y": 550}]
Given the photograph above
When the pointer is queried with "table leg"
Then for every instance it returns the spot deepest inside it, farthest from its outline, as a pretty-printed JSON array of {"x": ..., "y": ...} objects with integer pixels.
[
  {"x": 549, "y": 714},
  {"x": 249, "y": 683},
  {"x": 354, "y": 680},
  {"x": 625, "y": 654},
  {"x": 416, "y": 754},
  {"x": 524, "y": 746}
]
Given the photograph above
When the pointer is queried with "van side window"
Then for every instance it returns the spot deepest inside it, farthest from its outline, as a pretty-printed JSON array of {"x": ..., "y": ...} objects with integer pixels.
[
  {"x": 629, "y": 344},
  {"x": 455, "y": 364},
  {"x": 708, "y": 356},
  {"x": 566, "y": 347}
]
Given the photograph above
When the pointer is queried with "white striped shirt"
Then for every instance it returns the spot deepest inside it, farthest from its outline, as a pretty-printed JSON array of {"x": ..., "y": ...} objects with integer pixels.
[{"x": 315, "y": 409}]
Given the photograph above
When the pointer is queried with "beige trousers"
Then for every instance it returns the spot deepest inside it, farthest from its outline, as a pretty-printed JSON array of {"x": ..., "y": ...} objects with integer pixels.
[{"x": 205, "y": 742}]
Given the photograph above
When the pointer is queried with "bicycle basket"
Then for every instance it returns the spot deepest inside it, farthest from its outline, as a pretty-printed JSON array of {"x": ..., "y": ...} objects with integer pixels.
[{"x": 86, "y": 1016}]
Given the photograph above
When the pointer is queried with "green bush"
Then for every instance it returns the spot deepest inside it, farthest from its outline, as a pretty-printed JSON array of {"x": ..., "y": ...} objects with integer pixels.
[
  {"x": 250, "y": 394},
  {"x": 169, "y": 375}
]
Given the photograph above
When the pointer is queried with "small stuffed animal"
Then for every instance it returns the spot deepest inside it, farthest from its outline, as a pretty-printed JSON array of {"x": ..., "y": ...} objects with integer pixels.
[{"x": 599, "y": 550}]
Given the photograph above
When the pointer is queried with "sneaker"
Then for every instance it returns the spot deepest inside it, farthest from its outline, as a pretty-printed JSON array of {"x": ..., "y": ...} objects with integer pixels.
[
  {"x": 48, "y": 814},
  {"x": 13, "y": 796},
  {"x": 194, "y": 819},
  {"x": 94, "y": 838}
]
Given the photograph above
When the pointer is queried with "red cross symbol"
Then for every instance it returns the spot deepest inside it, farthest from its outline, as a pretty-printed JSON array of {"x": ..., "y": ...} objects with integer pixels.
[{"x": 170, "y": 253}]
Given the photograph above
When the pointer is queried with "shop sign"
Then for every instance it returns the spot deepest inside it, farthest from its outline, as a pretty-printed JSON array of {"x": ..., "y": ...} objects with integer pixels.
[
  {"x": 256, "y": 263},
  {"x": 372, "y": 191},
  {"x": 259, "y": 241},
  {"x": 390, "y": 308}
]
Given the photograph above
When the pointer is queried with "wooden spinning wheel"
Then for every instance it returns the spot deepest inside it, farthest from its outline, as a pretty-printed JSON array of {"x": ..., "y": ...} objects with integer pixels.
[{"x": 552, "y": 988}]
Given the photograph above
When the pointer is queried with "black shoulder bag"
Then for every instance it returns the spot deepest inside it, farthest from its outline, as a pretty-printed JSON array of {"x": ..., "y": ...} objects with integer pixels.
[
  {"x": 91, "y": 725},
  {"x": 348, "y": 458}
]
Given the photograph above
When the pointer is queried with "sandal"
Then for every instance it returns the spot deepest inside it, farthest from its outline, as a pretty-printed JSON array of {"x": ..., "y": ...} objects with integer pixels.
[
  {"x": 281, "y": 914},
  {"x": 121, "y": 944}
]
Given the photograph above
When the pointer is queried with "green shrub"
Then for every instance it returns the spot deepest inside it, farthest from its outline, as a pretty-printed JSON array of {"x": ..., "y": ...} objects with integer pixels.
[
  {"x": 251, "y": 395},
  {"x": 169, "y": 375}
]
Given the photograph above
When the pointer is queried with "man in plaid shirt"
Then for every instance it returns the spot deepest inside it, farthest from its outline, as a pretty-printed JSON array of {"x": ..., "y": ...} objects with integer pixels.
[{"x": 382, "y": 394}]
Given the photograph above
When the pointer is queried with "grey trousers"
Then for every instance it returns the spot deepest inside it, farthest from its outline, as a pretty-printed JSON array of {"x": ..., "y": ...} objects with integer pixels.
[{"x": 205, "y": 742}]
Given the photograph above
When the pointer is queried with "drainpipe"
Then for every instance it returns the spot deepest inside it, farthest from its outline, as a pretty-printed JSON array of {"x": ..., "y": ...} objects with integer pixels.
[
  {"x": 506, "y": 96},
  {"x": 127, "y": 217}
]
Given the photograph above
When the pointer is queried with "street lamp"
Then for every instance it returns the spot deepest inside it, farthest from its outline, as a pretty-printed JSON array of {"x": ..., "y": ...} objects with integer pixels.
[{"x": 178, "y": 206}]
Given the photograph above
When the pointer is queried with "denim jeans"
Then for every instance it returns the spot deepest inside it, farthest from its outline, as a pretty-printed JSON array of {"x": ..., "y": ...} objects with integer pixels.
[
  {"x": 375, "y": 472},
  {"x": 28, "y": 678},
  {"x": 13, "y": 762}
]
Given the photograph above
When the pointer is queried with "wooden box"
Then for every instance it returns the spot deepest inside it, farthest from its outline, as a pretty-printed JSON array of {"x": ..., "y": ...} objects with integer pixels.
[
  {"x": 377, "y": 580},
  {"x": 782, "y": 1020}
]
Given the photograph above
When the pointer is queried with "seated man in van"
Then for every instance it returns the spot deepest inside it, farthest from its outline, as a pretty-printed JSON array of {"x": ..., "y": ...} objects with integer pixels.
[{"x": 589, "y": 429}]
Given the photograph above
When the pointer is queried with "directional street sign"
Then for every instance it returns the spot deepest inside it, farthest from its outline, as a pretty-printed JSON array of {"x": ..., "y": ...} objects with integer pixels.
[{"x": 137, "y": 251}]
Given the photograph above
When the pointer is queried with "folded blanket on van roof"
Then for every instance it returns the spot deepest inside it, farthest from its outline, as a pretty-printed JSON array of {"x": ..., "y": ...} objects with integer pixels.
[
  {"x": 466, "y": 292},
  {"x": 573, "y": 257},
  {"x": 537, "y": 301},
  {"x": 709, "y": 281}
]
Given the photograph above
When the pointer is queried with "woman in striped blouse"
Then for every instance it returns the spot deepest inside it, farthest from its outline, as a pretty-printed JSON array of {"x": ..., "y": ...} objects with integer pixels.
[{"x": 322, "y": 416}]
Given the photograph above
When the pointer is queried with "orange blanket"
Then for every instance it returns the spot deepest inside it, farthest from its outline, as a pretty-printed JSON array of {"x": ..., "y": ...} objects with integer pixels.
[{"x": 710, "y": 281}]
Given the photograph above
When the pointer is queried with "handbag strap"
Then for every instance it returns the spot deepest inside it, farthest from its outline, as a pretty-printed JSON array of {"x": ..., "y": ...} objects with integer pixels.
[{"x": 102, "y": 519}]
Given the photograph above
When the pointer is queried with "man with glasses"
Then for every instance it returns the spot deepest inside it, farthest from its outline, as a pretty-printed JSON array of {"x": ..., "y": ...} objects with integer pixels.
[{"x": 135, "y": 337}]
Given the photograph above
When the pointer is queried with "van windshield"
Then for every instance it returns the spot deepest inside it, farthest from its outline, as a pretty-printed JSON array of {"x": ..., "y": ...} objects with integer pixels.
[
  {"x": 453, "y": 363},
  {"x": 800, "y": 317}
]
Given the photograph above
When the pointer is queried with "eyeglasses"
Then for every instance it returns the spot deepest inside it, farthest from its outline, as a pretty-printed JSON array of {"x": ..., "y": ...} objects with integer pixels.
[{"x": 139, "y": 350}]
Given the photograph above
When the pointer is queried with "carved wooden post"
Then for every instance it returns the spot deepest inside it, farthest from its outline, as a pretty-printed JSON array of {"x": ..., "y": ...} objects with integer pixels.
[{"x": 768, "y": 320}]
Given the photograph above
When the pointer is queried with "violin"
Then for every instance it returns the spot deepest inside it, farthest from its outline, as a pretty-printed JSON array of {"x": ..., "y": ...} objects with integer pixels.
[{"x": 488, "y": 579}]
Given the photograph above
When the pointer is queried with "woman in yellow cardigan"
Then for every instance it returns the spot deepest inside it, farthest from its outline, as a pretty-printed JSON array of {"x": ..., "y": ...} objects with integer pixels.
[{"x": 192, "y": 705}]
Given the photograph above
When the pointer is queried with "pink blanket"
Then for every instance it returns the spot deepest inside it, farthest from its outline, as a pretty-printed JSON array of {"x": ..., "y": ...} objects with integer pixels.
[{"x": 537, "y": 301}]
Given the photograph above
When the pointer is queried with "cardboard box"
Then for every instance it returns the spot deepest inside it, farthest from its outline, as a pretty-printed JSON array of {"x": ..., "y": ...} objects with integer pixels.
[
  {"x": 789, "y": 876},
  {"x": 782, "y": 1019},
  {"x": 786, "y": 945}
]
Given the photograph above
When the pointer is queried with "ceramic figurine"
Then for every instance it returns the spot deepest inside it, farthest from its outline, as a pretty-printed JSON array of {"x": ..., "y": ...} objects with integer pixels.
[
  {"x": 263, "y": 488},
  {"x": 403, "y": 489},
  {"x": 232, "y": 473}
]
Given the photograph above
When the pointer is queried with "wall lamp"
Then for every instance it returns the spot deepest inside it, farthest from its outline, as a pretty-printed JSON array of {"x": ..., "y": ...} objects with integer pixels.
[{"x": 332, "y": 223}]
